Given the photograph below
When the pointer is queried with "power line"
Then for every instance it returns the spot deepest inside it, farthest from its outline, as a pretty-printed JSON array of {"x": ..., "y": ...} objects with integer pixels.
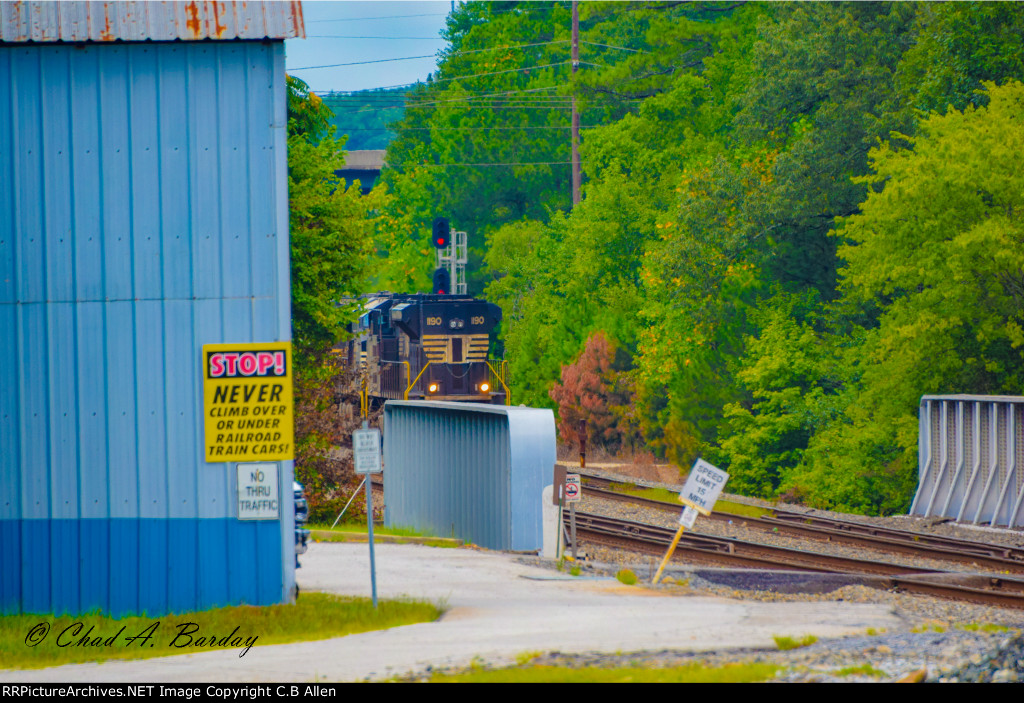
[
  {"x": 514, "y": 163},
  {"x": 455, "y": 129},
  {"x": 349, "y": 36},
  {"x": 609, "y": 46},
  {"x": 386, "y": 17},
  {"x": 458, "y": 78},
  {"x": 360, "y": 63},
  {"x": 342, "y": 95},
  {"x": 458, "y": 53}
]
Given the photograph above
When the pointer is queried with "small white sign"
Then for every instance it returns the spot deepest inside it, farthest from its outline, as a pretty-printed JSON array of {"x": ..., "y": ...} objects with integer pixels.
[
  {"x": 688, "y": 517},
  {"x": 702, "y": 487},
  {"x": 573, "y": 488},
  {"x": 257, "y": 492},
  {"x": 366, "y": 448}
]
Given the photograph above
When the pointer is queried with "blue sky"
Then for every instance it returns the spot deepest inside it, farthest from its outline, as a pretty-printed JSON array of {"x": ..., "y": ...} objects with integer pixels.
[{"x": 350, "y": 32}]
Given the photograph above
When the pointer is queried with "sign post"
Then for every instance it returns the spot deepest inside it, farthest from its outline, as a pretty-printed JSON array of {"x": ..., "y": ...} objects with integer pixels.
[
  {"x": 573, "y": 495},
  {"x": 366, "y": 449},
  {"x": 699, "y": 494},
  {"x": 558, "y": 498}
]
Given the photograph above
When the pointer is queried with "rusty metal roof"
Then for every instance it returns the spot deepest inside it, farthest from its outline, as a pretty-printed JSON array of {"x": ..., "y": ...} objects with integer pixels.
[{"x": 74, "y": 21}]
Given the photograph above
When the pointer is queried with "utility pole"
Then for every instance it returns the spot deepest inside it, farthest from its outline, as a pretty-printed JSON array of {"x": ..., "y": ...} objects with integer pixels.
[{"x": 577, "y": 176}]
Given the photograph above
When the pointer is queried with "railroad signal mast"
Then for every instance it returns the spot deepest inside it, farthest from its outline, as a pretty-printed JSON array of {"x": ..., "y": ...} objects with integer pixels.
[{"x": 452, "y": 254}]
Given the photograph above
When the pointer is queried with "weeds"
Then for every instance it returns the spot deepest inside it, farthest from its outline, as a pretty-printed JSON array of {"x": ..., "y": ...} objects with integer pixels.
[
  {"x": 862, "y": 670},
  {"x": 747, "y": 672},
  {"x": 786, "y": 643},
  {"x": 626, "y": 576}
]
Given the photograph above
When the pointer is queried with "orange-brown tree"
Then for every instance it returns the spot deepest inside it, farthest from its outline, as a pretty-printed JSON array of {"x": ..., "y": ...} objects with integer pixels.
[{"x": 595, "y": 388}]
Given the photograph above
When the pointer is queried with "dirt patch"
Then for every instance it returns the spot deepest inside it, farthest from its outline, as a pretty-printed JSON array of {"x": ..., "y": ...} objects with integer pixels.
[{"x": 659, "y": 473}]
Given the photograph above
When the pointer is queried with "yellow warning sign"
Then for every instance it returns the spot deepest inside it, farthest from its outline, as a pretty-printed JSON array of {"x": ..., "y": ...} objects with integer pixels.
[{"x": 247, "y": 402}]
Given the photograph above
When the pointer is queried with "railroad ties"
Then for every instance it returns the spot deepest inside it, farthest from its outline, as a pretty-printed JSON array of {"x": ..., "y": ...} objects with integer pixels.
[{"x": 989, "y": 589}]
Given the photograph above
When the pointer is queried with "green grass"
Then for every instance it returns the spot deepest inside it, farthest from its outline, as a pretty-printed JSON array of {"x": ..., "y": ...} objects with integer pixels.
[
  {"x": 741, "y": 509},
  {"x": 350, "y": 531},
  {"x": 666, "y": 496},
  {"x": 360, "y": 528},
  {"x": 693, "y": 673},
  {"x": 862, "y": 670},
  {"x": 314, "y": 616},
  {"x": 983, "y": 626},
  {"x": 785, "y": 643}
]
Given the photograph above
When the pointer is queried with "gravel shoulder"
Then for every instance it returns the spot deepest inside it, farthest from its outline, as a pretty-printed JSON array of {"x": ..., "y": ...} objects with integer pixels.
[{"x": 938, "y": 640}]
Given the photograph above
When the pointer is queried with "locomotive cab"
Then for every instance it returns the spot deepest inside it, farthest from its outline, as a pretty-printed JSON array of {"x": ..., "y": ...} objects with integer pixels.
[{"x": 432, "y": 347}]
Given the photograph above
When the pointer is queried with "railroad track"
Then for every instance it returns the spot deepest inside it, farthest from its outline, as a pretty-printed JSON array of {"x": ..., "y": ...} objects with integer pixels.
[
  {"x": 695, "y": 548},
  {"x": 722, "y": 551},
  {"x": 993, "y": 557}
]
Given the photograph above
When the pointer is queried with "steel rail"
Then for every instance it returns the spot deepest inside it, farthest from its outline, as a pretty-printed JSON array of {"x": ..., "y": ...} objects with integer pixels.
[
  {"x": 1006, "y": 593},
  {"x": 728, "y": 550},
  {"x": 981, "y": 554}
]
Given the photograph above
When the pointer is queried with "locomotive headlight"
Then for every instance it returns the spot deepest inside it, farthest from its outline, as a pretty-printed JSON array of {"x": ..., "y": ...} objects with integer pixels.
[
  {"x": 484, "y": 387},
  {"x": 433, "y": 387}
]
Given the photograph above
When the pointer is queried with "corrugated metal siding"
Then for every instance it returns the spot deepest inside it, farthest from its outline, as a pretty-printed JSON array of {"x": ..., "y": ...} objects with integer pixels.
[
  {"x": 143, "y": 213},
  {"x": 74, "y": 21},
  {"x": 971, "y": 459},
  {"x": 470, "y": 471}
]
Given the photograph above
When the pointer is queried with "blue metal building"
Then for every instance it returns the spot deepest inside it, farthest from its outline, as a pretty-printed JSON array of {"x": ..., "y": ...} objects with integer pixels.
[{"x": 143, "y": 214}]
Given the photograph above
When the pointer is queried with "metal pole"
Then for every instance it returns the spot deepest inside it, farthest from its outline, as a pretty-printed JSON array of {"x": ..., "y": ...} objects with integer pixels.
[
  {"x": 581, "y": 433},
  {"x": 577, "y": 176},
  {"x": 561, "y": 528},
  {"x": 369, "y": 529},
  {"x": 668, "y": 554},
  {"x": 572, "y": 520}
]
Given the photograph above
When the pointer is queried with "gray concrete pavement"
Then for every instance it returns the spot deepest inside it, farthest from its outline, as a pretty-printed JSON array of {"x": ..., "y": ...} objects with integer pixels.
[{"x": 497, "y": 608}]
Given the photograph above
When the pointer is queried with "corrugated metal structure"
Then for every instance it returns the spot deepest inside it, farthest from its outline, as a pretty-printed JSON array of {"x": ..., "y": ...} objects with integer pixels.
[
  {"x": 49, "y": 21},
  {"x": 468, "y": 470},
  {"x": 971, "y": 459},
  {"x": 143, "y": 213}
]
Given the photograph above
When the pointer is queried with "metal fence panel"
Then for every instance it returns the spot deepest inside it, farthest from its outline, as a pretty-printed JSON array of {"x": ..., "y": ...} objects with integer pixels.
[{"x": 971, "y": 459}]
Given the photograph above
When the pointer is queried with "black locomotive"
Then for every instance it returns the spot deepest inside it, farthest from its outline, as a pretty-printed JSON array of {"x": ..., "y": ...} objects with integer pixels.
[{"x": 426, "y": 347}]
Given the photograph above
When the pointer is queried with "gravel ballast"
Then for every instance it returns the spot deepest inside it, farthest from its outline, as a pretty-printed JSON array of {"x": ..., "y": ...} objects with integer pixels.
[{"x": 940, "y": 640}]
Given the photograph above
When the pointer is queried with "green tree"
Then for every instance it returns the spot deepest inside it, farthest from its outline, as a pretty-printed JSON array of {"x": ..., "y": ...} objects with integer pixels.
[
  {"x": 938, "y": 247},
  {"x": 793, "y": 372},
  {"x": 329, "y": 225},
  {"x": 956, "y": 47},
  {"x": 331, "y": 230}
]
